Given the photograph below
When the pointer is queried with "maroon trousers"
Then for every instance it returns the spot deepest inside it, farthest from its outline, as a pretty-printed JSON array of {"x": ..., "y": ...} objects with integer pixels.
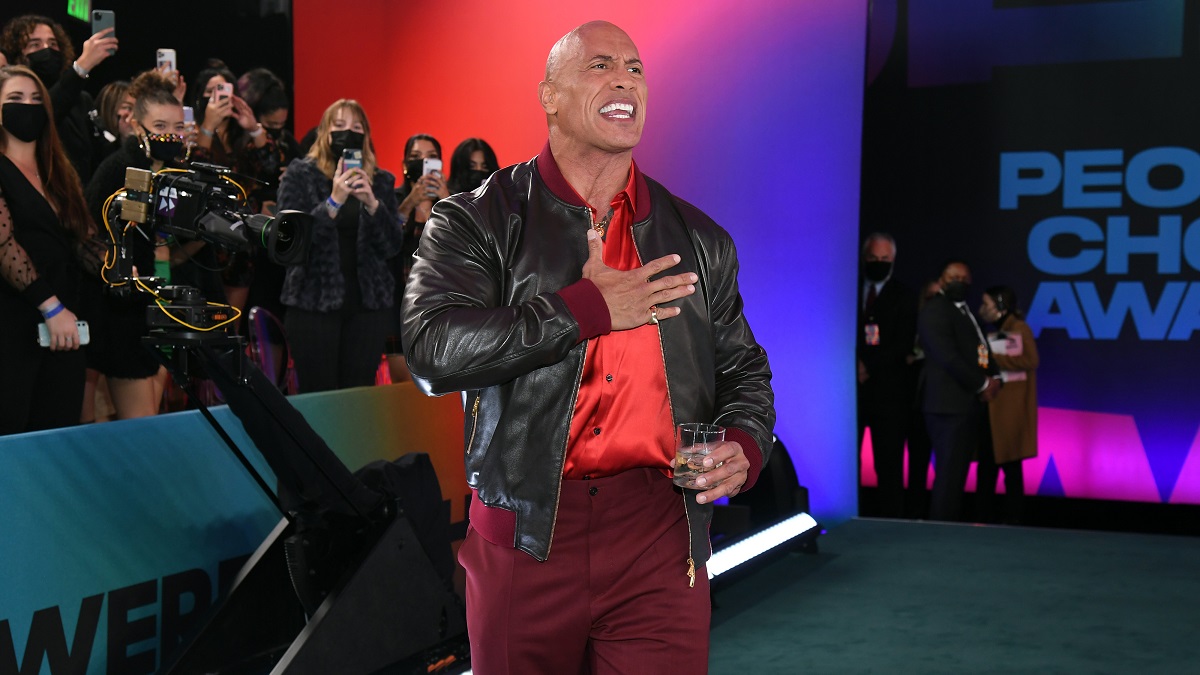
[{"x": 613, "y": 596}]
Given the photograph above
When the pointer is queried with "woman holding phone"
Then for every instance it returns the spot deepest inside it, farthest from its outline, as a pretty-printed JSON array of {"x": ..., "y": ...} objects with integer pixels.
[
  {"x": 43, "y": 225},
  {"x": 340, "y": 300},
  {"x": 44, "y": 46},
  {"x": 135, "y": 377},
  {"x": 229, "y": 134},
  {"x": 424, "y": 184}
]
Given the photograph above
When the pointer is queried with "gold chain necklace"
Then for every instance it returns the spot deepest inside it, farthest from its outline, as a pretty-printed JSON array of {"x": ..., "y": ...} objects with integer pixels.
[{"x": 601, "y": 227}]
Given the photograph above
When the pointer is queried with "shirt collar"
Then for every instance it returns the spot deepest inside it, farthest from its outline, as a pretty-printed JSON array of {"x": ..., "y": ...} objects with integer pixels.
[{"x": 637, "y": 190}]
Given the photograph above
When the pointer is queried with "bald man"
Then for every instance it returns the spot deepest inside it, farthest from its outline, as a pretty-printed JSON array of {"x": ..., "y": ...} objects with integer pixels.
[{"x": 585, "y": 311}]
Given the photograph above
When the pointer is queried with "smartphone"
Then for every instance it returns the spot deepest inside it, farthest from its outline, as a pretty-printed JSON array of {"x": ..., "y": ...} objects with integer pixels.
[
  {"x": 164, "y": 60},
  {"x": 430, "y": 165},
  {"x": 104, "y": 18},
  {"x": 85, "y": 335},
  {"x": 351, "y": 159},
  {"x": 224, "y": 90},
  {"x": 189, "y": 115}
]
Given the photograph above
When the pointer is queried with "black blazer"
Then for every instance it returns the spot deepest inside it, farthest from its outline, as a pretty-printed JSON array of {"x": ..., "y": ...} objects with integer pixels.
[
  {"x": 952, "y": 377},
  {"x": 895, "y": 313}
]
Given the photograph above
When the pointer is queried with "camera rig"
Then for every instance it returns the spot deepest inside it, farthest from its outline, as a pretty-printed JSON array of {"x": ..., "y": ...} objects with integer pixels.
[
  {"x": 356, "y": 577},
  {"x": 202, "y": 203}
]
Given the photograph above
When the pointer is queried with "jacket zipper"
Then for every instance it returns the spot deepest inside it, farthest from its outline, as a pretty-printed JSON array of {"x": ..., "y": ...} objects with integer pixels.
[
  {"x": 691, "y": 562},
  {"x": 474, "y": 422},
  {"x": 570, "y": 419}
]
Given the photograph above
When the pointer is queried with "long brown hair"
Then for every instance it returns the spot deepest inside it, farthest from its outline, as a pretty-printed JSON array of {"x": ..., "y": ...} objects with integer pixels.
[
  {"x": 59, "y": 179},
  {"x": 108, "y": 102},
  {"x": 323, "y": 154}
]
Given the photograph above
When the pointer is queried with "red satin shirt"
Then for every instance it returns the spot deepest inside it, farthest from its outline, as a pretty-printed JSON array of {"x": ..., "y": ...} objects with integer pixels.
[{"x": 622, "y": 417}]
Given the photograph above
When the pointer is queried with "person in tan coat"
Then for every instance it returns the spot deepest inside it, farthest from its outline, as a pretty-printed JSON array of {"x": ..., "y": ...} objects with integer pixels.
[{"x": 1012, "y": 415}]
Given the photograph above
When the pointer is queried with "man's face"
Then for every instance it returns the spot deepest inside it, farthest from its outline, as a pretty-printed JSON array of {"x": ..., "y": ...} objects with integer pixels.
[
  {"x": 40, "y": 37},
  {"x": 880, "y": 250},
  {"x": 956, "y": 272},
  {"x": 597, "y": 95}
]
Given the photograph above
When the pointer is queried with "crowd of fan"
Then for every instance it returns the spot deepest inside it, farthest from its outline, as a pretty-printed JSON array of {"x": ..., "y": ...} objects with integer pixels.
[{"x": 71, "y": 347}]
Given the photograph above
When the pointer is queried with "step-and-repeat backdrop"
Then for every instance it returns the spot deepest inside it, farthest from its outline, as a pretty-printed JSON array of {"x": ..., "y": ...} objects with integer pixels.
[{"x": 1054, "y": 147}]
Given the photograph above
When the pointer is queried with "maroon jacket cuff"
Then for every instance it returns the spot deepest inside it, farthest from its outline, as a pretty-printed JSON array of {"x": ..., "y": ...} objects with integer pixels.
[
  {"x": 495, "y": 525},
  {"x": 587, "y": 305},
  {"x": 752, "y": 452}
]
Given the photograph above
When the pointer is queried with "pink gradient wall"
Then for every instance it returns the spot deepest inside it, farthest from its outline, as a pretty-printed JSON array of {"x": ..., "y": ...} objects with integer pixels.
[{"x": 1086, "y": 455}]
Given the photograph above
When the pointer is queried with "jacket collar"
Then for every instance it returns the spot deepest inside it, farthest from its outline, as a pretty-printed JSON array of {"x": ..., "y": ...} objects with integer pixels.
[{"x": 548, "y": 169}]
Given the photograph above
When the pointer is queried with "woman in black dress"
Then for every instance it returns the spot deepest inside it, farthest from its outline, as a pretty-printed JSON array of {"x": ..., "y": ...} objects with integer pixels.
[
  {"x": 43, "y": 224},
  {"x": 135, "y": 377}
]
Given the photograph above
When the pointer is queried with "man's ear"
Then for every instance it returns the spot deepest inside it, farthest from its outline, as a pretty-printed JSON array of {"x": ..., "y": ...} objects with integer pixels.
[{"x": 547, "y": 97}]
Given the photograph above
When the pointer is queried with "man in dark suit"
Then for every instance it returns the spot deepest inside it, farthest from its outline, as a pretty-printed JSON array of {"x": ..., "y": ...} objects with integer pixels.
[
  {"x": 887, "y": 324},
  {"x": 959, "y": 378}
]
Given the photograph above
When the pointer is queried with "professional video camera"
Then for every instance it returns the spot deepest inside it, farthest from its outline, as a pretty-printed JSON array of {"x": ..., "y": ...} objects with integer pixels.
[
  {"x": 202, "y": 203},
  {"x": 358, "y": 576}
]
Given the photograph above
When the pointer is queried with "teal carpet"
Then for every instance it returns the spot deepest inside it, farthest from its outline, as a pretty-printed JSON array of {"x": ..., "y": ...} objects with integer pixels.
[{"x": 917, "y": 597}]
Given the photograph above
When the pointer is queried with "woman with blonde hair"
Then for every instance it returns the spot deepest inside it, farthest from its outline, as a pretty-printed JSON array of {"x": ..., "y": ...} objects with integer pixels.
[{"x": 340, "y": 300}]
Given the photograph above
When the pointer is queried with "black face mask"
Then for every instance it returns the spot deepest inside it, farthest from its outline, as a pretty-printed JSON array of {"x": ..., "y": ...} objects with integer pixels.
[
  {"x": 274, "y": 134},
  {"x": 956, "y": 290},
  {"x": 345, "y": 139},
  {"x": 25, "y": 121},
  {"x": 164, "y": 147},
  {"x": 47, "y": 64},
  {"x": 877, "y": 270},
  {"x": 473, "y": 179}
]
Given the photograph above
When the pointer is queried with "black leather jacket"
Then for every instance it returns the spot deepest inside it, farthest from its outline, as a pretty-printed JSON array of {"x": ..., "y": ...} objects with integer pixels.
[{"x": 483, "y": 314}]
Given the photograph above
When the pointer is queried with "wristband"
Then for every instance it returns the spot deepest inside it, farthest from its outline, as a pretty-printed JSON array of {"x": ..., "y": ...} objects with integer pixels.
[
  {"x": 53, "y": 311},
  {"x": 206, "y": 132},
  {"x": 80, "y": 71},
  {"x": 332, "y": 204},
  {"x": 258, "y": 131}
]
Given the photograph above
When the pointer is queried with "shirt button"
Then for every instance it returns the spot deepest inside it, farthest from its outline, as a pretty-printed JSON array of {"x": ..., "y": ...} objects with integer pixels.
[
  {"x": 608, "y": 378},
  {"x": 596, "y": 431},
  {"x": 593, "y": 491}
]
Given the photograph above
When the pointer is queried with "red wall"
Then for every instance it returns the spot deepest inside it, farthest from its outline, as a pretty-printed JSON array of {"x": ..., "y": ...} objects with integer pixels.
[{"x": 450, "y": 69}]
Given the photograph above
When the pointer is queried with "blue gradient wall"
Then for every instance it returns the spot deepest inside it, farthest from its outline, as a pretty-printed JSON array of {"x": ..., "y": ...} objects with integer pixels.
[{"x": 756, "y": 118}]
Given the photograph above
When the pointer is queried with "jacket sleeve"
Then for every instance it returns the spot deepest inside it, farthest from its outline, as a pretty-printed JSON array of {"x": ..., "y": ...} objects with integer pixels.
[
  {"x": 745, "y": 402},
  {"x": 303, "y": 189},
  {"x": 458, "y": 332},
  {"x": 898, "y": 329},
  {"x": 16, "y": 268},
  {"x": 386, "y": 232},
  {"x": 65, "y": 93},
  {"x": 1027, "y": 360}
]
